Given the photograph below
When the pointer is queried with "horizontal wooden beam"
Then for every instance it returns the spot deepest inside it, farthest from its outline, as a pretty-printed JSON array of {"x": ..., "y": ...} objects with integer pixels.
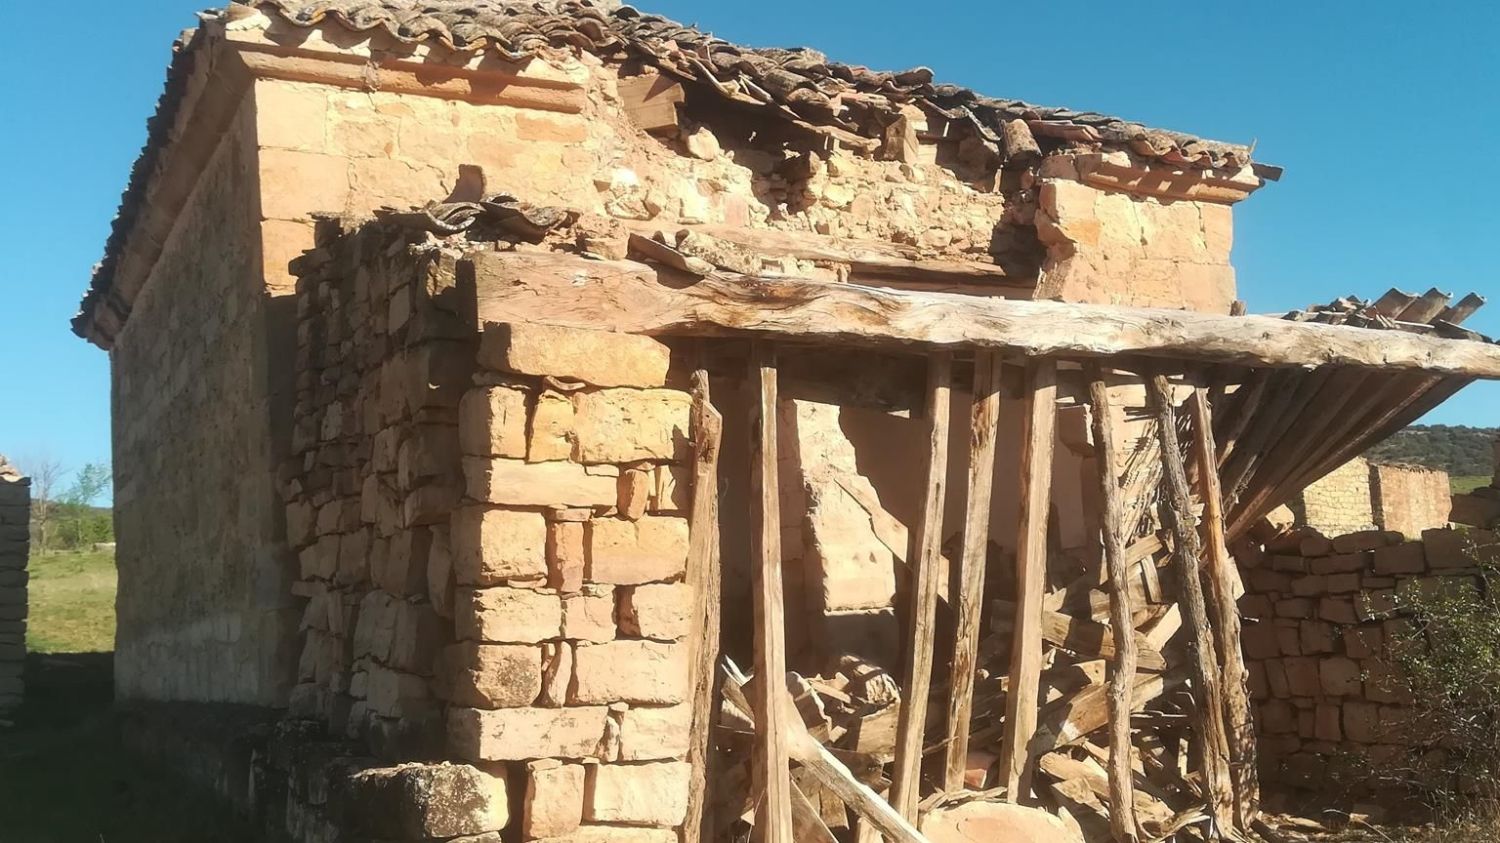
[{"x": 637, "y": 298}]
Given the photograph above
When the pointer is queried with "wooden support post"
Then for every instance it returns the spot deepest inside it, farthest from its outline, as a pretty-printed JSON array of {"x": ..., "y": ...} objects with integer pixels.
[
  {"x": 773, "y": 784},
  {"x": 1121, "y": 787},
  {"x": 1212, "y": 743},
  {"x": 1038, "y": 438},
  {"x": 704, "y": 577},
  {"x": 984, "y": 427},
  {"x": 927, "y": 541},
  {"x": 1226, "y": 613}
]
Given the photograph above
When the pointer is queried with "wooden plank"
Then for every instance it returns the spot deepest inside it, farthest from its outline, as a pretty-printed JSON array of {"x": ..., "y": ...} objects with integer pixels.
[
  {"x": 770, "y": 760},
  {"x": 704, "y": 577},
  {"x": 984, "y": 427},
  {"x": 1070, "y": 720},
  {"x": 1226, "y": 613},
  {"x": 1122, "y": 680},
  {"x": 1425, "y": 308},
  {"x": 570, "y": 291},
  {"x": 1459, "y": 313},
  {"x": 1038, "y": 438},
  {"x": 651, "y": 100},
  {"x": 927, "y": 541},
  {"x": 1212, "y": 744},
  {"x": 1084, "y": 638}
]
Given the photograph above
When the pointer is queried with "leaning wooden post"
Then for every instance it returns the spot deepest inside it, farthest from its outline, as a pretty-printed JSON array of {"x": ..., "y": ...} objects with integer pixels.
[
  {"x": 1121, "y": 787},
  {"x": 984, "y": 427},
  {"x": 1212, "y": 744},
  {"x": 772, "y": 767},
  {"x": 927, "y": 541},
  {"x": 1242, "y": 752},
  {"x": 1037, "y": 440},
  {"x": 704, "y": 577}
]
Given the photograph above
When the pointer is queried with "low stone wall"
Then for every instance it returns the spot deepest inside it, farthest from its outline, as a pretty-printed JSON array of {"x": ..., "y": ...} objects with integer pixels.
[
  {"x": 1362, "y": 496},
  {"x": 15, "y": 541},
  {"x": 1320, "y": 616}
]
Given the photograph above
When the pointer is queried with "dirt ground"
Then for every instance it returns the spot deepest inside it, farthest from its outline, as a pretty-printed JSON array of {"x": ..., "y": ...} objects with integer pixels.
[{"x": 65, "y": 778}]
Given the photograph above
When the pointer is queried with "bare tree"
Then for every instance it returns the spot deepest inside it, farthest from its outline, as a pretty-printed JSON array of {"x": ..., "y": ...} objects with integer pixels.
[{"x": 46, "y": 473}]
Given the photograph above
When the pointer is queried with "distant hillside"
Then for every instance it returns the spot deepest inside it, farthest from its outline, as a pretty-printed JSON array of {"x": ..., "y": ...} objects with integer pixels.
[{"x": 1460, "y": 451}]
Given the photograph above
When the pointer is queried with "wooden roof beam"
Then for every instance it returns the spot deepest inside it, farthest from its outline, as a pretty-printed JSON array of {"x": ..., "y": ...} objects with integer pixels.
[{"x": 637, "y": 298}]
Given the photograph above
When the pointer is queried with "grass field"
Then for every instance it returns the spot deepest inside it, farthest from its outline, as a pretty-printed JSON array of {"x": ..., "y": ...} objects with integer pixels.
[
  {"x": 1464, "y": 485},
  {"x": 72, "y": 603}
]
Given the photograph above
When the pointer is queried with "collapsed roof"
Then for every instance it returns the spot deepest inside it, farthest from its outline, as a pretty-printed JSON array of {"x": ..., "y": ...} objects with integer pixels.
[{"x": 853, "y": 103}]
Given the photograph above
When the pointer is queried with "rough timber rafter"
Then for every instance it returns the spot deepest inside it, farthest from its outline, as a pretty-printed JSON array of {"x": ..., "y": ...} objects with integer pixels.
[{"x": 644, "y": 299}]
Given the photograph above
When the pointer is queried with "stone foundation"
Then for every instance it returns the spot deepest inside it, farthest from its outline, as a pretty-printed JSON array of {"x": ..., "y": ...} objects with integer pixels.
[
  {"x": 15, "y": 541},
  {"x": 1320, "y": 615}
]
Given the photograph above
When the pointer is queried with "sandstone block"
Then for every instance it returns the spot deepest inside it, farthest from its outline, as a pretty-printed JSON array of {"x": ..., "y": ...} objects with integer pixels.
[
  {"x": 635, "y": 492},
  {"x": 652, "y": 794},
  {"x": 492, "y": 422},
  {"x": 1315, "y": 637},
  {"x": 494, "y": 546},
  {"x": 983, "y": 821},
  {"x": 403, "y": 570},
  {"x": 660, "y": 611},
  {"x": 1362, "y": 642},
  {"x": 440, "y": 580},
  {"x": 297, "y": 184},
  {"x": 637, "y": 672},
  {"x": 552, "y": 428},
  {"x": 1302, "y": 676},
  {"x": 1329, "y": 722},
  {"x": 598, "y": 358},
  {"x": 589, "y": 616},
  {"x": 1405, "y": 558},
  {"x": 1362, "y": 721},
  {"x": 427, "y": 801},
  {"x": 518, "y": 483},
  {"x": 1340, "y": 677},
  {"x": 391, "y": 693},
  {"x": 557, "y": 674},
  {"x": 1337, "y": 610},
  {"x": 566, "y": 556},
  {"x": 520, "y": 734},
  {"x": 493, "y": 675},
  {"x": 508, "y": 615},
  {"x": 622, "y": 552},
  {"x": 1448, "y": 549},
  {"x": 1343, "y": 563},
  {"x": 628, "y": 425},
  {"x": 651, "y": 734},
  {"x": 420, "y": 634},
  {"x": 554, "y": 799}
]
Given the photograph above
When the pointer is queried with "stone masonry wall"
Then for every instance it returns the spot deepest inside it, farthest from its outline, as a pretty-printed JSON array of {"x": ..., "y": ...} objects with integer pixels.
[
  {"x": 493, "y": 541},
  {"x": 15, "y": 540},
  {"x": 1320, "y": 614},
  {"x": 1410, "y": 499},
  {"x": 204, "y": 608},
  {"x": 1340, "y": 502}
]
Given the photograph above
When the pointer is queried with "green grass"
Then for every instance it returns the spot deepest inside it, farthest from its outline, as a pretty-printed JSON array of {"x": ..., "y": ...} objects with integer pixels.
[
  {"x": 72, "y": 603},
  {"x": 1465, "y": 485}
]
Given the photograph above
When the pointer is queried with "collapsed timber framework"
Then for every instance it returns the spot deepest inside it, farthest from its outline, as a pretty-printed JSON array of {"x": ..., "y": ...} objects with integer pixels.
[{"x": 1120, "y": 697}]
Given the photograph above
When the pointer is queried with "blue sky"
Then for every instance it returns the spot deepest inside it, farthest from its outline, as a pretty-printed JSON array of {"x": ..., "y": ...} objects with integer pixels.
[{"x": 1385, "y": 115}]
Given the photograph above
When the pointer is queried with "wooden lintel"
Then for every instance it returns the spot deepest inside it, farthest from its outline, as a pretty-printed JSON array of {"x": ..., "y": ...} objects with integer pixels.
[{"x": 637, "y": 298}]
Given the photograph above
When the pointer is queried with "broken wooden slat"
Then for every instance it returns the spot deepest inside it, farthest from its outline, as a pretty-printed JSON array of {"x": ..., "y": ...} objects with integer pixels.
[
  {"x": 1425, "y": 308},
  {"x": 984, "y": 426},
  {"x": 1247, "y": 402},
  {"x": 1458, "y": 313},
  {"x": 1122, "y": 799},
  {"x": 927, "y": 541},
  {"x": 1071, "y": 720},
  {"x": 1038, "y": 437},
  {"x": 771, "y": 762},
  {"x": 704, "y": 577},
  {"x": 570, "y": 291},
  {"x": 1084, "y": 638},
  {"x": 1221, "y": 572},
  {"x": 1212, "y": 743}
]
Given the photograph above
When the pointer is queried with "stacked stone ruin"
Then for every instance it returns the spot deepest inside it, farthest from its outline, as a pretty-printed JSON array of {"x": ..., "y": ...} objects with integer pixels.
[
  {"x": 15, "y": 539},
  {"x": 1321, "y": 616},
  {"x": 492, "y": 546}
]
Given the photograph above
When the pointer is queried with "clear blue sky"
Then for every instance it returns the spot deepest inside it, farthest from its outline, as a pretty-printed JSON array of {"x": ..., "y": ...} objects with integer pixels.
[{"x": 1385, "y": 114}]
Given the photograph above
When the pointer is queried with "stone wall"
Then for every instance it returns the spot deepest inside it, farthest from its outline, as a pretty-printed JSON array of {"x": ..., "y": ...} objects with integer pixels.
[
  {"x": 205, "y": 611},
  {"x": 1320, "y": 615},
  {"x": 15, "y": 542},
  {"x": 1338, "y": 503},
  {"x": 1410, "y": 499}
]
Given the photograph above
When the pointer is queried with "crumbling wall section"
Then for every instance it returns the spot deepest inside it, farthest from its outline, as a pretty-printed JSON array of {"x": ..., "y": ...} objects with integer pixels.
[
  {"x": 15, "y": 545},
  {"x": 1332, "y": 712}
]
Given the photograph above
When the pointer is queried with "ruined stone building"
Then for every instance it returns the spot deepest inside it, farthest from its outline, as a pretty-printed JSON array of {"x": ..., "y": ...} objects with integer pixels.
[
  {"x": 15, "y": 543},
  {"x": 501, "y": 389}
]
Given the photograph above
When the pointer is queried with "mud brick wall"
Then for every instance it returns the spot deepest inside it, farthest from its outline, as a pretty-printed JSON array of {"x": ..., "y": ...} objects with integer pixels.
[
  {"x": 1320, "y": 614},
  {"x": 15, "y": 542}
]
